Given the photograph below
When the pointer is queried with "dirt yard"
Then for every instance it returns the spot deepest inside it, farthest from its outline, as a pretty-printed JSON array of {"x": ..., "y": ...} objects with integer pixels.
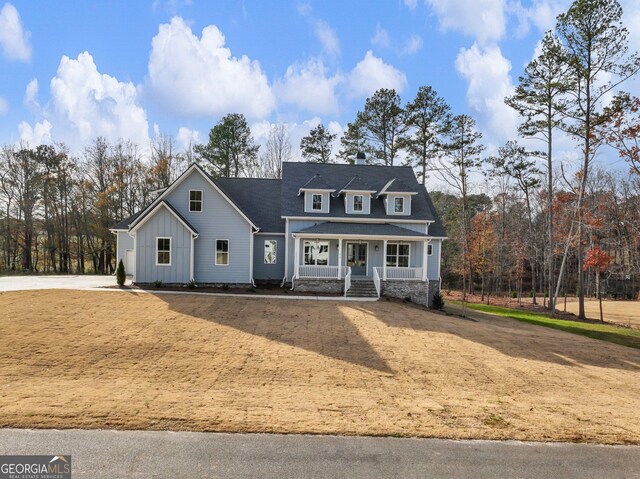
[
  {"x": 141, "y": 361},
  {"x": 626, "y": 313}
]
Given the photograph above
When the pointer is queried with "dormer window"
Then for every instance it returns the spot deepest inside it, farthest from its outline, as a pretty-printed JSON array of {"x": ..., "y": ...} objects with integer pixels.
[
  {"x": 357, "y": 203},
  {"x": 398, "y": 205},
  {"x": 316, "y": 202}
]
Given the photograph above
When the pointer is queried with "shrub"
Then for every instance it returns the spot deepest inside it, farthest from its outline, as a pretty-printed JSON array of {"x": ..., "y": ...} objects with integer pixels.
[
  {"x": 514, "y": 294},
  {"x": 437, "y": 302},
  {"x": 225, "y": 287},
  {"x": 121, "y": 274},
  {"x": 157, "y": 283},
  {"x": 191, "y": 284}
]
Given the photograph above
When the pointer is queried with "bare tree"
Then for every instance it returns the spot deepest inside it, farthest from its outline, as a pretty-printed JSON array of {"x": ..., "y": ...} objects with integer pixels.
[{"x": 277, "y": 151}]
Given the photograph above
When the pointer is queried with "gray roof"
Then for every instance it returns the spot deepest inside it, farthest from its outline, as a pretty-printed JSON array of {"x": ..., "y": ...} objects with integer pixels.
[
  {"x": 124, "y": 224},
  {"x": 337, "y": 175},
  {"x": 360, "y": 229},
  {"x": 316, "y": 182},
  {"x": 399, "y": 186},
  {"x": 258, "y": 198},
  {"x": 168, "y": 205},
  {"x": 357, "y": 184},
  {"x": 265, "y": 201},
  {"x": 148, "y": 210}
]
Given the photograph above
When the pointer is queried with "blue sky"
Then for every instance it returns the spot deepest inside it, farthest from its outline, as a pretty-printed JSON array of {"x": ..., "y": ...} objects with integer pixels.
[{"x": 70, "y": 71}]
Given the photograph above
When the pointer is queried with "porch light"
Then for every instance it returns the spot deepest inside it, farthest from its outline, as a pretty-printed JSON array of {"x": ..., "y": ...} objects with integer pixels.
[{"x": 376, "y": 248}]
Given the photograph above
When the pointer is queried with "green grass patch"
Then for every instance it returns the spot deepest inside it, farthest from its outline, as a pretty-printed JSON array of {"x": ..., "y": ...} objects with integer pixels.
[{"x": 605, "y": 332}]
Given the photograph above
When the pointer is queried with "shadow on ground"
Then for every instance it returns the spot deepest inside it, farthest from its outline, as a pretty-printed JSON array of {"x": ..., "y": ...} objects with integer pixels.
[{"x": 324, "y": 328}]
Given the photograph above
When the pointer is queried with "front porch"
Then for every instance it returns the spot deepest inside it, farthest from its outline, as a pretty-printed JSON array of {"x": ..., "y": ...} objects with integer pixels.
[{"x": 329, "y": 262}]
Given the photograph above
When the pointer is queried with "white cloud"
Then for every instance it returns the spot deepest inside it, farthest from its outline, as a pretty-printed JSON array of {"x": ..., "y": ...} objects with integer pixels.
[
  {"x": 308, "y": 86},
  {"x": 483, "y": 20},
  {"x": 543, "y": 13},
  {"x": 39, "y": 134},
  {"x": 187, "y": 137},
  {"x": 381, "y": 37},
  {"x": 327, "y": 38},
  {"x": 194, "y": 76},
  {"x": 411, "y": 4},
  {"x": 31, "y": 94},
  {"x": 631, "y": 19},
  {"x": 85, "y": 104},
  {"x": 304, "y": 9},
  {"x": 14, "y": 39},
  {"x": 412, "y": 45},
  {"x": 371, "y": 73},
  {"x": 260, "y": 132},
  {"x": 489, "y": 82},
  {"x": 4, "y": 106}
]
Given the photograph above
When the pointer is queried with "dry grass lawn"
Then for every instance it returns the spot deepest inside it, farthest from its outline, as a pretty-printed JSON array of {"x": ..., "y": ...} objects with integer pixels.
[
  {"x": 619, "y": 312},
  {"x": 141, "y": 361}
]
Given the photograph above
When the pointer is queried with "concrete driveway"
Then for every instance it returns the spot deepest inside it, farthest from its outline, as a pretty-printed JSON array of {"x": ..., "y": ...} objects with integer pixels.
[
  {"x": 143, "y": 454},
  {"x": 19, "y": 283}
]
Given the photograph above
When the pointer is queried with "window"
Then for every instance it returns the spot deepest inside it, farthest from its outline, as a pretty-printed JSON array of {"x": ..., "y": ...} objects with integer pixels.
[
  {"x": 398, "y": 255},
  {"x": 195, "y": 200},
  {"x": 357, "y": 202},
  {"x": 429, "y": 249},
  {"x": 222, "y": 252},
  {"x": 316, "y": 202},
  {"x": 163, "y": 251},
  {"x": 316, "y": 253},
  {"x": 270, "y": 249},
  {"x": 398, "y": 205}
]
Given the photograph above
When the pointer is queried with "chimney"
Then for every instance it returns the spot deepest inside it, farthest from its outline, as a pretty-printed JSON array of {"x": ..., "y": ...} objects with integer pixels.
[{"x": 360, "y": 157}]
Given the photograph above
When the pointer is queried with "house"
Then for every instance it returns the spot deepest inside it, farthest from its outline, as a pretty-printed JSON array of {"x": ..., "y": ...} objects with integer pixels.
[{"x": 343, "y": 229}]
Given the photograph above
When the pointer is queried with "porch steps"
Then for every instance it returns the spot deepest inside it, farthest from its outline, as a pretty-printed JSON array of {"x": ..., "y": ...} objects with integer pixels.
[{"x": 362, "y": 288}]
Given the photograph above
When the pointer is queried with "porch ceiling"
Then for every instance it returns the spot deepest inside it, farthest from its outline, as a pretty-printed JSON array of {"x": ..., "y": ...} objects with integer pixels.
[{"x": 360, "y": 230}]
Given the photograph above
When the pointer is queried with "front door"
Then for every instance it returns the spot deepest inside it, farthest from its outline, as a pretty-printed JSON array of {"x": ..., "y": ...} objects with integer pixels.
[{"x": 357, "y": 258}]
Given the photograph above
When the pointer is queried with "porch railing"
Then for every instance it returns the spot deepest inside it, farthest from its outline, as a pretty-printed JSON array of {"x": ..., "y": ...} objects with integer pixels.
[
  {"x": 397, "y": 273},
  {"x": 347, "y": 280},
  {"x": 376, "y": 281},
  {"x": 321, "y": 272}
]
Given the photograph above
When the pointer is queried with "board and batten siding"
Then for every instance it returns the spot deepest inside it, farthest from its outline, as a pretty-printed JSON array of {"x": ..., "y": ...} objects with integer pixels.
[
  {"x": 433, "y": 261},
  {"x": 366, "y": 204},
  {"x": 125, "y": 242},
  {"x": 217, "y": 220},
  {"x": 308, "y": 202},
  {"x": 163, "y": 224},
  {"x": 262, "y": 271},
  {"x": 295, "y": 226}
]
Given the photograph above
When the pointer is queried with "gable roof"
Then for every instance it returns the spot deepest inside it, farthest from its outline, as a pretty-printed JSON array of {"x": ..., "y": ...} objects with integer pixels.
[
  {"x": 133, "y": 220},
  {"x": 316, "y": 182},
  {"x": 142, "y": 219},
  {"x": 356, "y": 184},
  {"x": 337, "y": 175},
  {"x": 259, "y": 198},
  {"x": 124, "y": 224}
]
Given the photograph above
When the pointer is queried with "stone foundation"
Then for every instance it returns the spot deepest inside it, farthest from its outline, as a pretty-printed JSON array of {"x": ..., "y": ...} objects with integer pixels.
[
  {"x": 415, "y": 291},
  {"x": 319, "y": 286}
]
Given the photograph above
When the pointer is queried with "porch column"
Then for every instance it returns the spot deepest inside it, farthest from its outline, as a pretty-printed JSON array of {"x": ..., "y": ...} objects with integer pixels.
[
  {"x": 384, "y": 260},
  {"x": 340, "y": 258},
  {"x": 424, "y": 260},
  {"x": 296, "y": 266}
]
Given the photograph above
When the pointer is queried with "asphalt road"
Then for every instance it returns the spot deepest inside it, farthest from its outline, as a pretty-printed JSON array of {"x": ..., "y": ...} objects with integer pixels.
[{"x": 148, "y": 454}]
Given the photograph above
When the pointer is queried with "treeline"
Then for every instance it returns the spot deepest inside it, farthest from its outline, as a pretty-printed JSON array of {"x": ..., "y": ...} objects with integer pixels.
[{"x": 57, "y": 208}]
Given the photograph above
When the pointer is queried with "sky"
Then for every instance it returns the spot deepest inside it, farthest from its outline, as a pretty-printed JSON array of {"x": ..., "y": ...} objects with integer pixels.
[{"x": 71, "y": 71}]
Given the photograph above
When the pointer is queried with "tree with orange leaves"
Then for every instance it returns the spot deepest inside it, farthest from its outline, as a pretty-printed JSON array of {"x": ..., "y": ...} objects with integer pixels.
[{"x": 598, "y": 260}]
